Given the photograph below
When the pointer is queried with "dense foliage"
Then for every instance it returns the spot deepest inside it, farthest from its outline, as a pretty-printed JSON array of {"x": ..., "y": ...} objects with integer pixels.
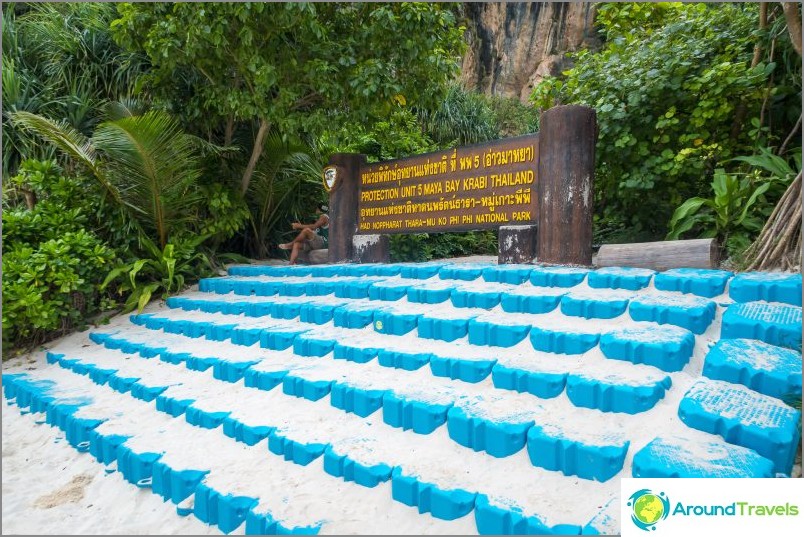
[{"x": 676, "y": 96}]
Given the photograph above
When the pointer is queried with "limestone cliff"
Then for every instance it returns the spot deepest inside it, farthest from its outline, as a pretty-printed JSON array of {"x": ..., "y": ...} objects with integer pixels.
[{"x": 512, "y": 45}]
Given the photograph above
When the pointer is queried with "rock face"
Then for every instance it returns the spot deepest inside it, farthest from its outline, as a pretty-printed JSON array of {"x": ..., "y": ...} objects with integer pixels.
[{"x": 514, "y": 45}]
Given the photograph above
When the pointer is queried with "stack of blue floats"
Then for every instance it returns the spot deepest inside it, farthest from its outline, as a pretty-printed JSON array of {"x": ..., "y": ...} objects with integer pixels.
[{"x": 750, "y": 377}]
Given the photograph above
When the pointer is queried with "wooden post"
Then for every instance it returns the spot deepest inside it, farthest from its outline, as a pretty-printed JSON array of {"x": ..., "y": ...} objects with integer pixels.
[
  {"x": 567, "y": 139},
  {"x": 343, "y": 202},
  {"x": 517, "y": 244},
  {"x": 372, "y": 249}
]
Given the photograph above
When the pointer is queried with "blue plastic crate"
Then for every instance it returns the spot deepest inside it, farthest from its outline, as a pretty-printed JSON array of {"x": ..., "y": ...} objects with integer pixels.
[
  {"x": 360, "y": 401},
  {"x": 467, "y": 370},
  {"x": 668, "y": 348},
  {"x": 496, "y": 518},
  {"x": 497, "y": 438},
  {"x": 702, "y": 282},
  {"x": 513, "y": 274},
  {"x": 338, "y": 465},
  {"x": 530, "y": 300},
  {"x": 563, "y": 340},
  {"x": 443, "y": 504},
  {"x": 409, "y": 361},
  {"x": 629, "y": 278},
  {"x": 768, "y": 286},
  {"x": 421, "y": 417},
  {"x": 692, "y": 313},
  {"x": 483, "y": 331},
  {"x": 771, "y": 323},
  {"x": 300, "y": 453},
  {"x": 544, "y": 384},
  {"x": 557, "y": 276},
  {"x": 595, "y": 305},
  {"x": 596, "y": 458},
  {"x": 445, "y": 329},
  {"x": 684, "y": 457},
  {"x": 765, "y": 368},
  {"x": 312, "y": 390},
  {"x": 395, "y": 322},
  {"x": 613, "y": 394},
  {"x": 462, "y": 272},
  {"x": 744, "y": 417}
]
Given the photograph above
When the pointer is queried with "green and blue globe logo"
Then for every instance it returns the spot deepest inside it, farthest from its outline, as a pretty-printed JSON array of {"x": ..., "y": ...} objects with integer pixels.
[{"x": 648, "y": 508}]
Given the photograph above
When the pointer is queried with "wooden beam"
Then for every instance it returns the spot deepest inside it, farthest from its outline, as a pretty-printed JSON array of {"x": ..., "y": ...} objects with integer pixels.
[{"x": 695, "y": 253}]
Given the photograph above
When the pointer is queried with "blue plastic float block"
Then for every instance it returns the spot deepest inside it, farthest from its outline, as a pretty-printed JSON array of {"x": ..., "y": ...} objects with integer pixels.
[
  {"x": 146, "y": 393},
  {"x": 263, "y": 380},
  {"x": 388, "y": 293},
  {"x": 327, "y": 271},
  {"x": 609, "y": 396},
  {"x": 207, "y": 285},
  {"x": 424, "y": 295},
  {"x": 204, "y": 419},
  {"x": 297, "y": 452},
  {"x": 764, "y": 368},
  {"x": 701, "y": 282},
  {"x": 409, "y": 414},
  {"x": 499, "y": 439},
  {"x": 104, "y": 447},
  {"x": 286, "y": 310},
  {"x": 231, "y": 371},
  {"x": 212, "y": 306},
  {"x": 226, "y": 511},
  {"x": 562, "y": 342},
  {"x": 695, "y": 316},
  {"x": 200, "y": 363},
  {"x": 356, "y": 400},
  {"x": 246, "y": 336},
  {"x": 248, "y": 270},
  {"x": 351, "y": 353},
  {"x": 137, "y": 468},
  {"x": 180, "y": 302},
  {"x": 428, "y": 498},
  {"x": 58, "y": 413},
  {"x": 317, "y": 313},
  {"x": 444, "y": 329},
  {"x": 156, "y": 323},
  {"x": 312, "y": 390},
  {"x": 234, "y": 308},
  {"x": 121, "y": 384},
  {"x": 312, "y": 345},
  {"x": 682, "y": 457},
  {"x": 557, "y": 276},
  {"x": 351, "y": 317},
  {"x": 175, "y": 485},
  {"x": 745, "y": 418},
  {"x": 99, "y": 337},
  {"x": 466, "y": 370},
  {"x": 264, "y": 524},
  {"x": 668, "y": 349},
  {"x": 171, "y": 405},
  {"x": 771, "y": 323},
  {"x": 551, "y": 450},
  {"x": 629, "y": 278},
  {"x": 249, "y": 287},
  {"x": 322, "y": 288},
  {"x": 278, "y": 340},
  {"x": 78, "y": 431},
  {"x": 219, "y": 286},
  {"x": 259, "y": 309},
  {"x": 353, "y": 289},
  {"x": 218, "y": 332},
  {"x": 593, "y": 308},
  {"x": 463, "y": 298},
  {"x": 28, "y": 392},
  {"x": 338, "y": 465},
  {"x": 386, "y": 270},
  {"x": 512, "y": 274},
  {"x": 493, "y": 519},
  {"x": 539, "y": 383},
  {"x": 421, "y": 272},
  {"x": 522, "y": 303},
  {"x": 395, "y": 322},
  {"x": 768, "y": 286},
  {"x": 498, "y": 335},
  {"x": 409, "y": 361},
  {"x": 151, "y": 352},
  {"x": 466, "y": 273},
  {"x": 248, "y": 434},
  {"x": 294, "y": 289}
]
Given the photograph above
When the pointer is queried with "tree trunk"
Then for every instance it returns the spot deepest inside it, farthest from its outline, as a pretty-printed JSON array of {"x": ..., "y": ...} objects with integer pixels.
[
  {"x": 255, "y": 156},
  {"x": 793, "y": 23},
  {"x": 229, "y": 132},
  {"x": 739, "y": 113}
]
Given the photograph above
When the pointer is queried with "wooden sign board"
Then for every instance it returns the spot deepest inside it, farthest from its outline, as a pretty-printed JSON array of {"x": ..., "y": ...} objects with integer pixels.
[{"x": 461, "y": 189}]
